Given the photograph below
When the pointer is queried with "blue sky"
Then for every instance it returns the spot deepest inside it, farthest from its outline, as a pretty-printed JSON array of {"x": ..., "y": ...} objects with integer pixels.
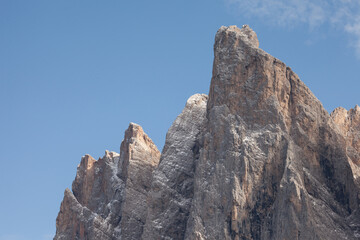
[{"x": 73, "y": 74}]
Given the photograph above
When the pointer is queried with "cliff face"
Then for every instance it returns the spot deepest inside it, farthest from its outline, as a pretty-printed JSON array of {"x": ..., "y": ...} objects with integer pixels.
[
  {"x": 260, "y": 158},
  {"x": 271, "y": 166},
  {"x": 349, "y": 125}
]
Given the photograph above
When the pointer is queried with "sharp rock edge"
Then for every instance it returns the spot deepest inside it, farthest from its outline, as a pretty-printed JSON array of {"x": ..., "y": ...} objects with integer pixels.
[{"x": 259, "y": 158}]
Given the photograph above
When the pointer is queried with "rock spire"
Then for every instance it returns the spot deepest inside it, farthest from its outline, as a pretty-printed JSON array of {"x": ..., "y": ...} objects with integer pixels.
[{"x": 258, "y": 158}]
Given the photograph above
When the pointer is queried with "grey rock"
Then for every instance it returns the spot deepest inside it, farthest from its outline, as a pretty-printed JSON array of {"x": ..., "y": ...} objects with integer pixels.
[
  {"x": 260, "y": 158},
  {"x": 348, "y": 123},
  {"x": 138, "y": 159},
  {"x": 271, "y": 165},
  {"x": 172, "y": 188},
  {"x": 91, "y": 210},
  {"x": 109, "y": 195}
]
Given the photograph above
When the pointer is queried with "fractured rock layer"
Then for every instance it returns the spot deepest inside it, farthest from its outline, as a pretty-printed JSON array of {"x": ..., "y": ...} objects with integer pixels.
[{"x": 259, "y": 158}]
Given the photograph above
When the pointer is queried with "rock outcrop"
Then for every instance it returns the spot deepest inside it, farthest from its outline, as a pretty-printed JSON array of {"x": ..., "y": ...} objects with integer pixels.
[
  {"x": 259, "y": 158},
  {"x": 271, "y": 165},
  {"x": 108, "y": 197},
  {"x": 173, "y": 183}
]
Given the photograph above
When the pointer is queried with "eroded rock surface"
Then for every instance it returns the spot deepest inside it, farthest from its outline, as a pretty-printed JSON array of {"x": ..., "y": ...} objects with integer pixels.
[
  {"x": 138, "y": 159},
  {"x": 108, "y": 197},
  {"x": 173, "y": 184},
  {"x": 260, "y": 158},
  {"x": 349, "y": 124},
  {"x": 271, "y": 165}
]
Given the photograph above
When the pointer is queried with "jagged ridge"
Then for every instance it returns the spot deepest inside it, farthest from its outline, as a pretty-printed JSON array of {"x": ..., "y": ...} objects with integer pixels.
[{"x": 260, "y": 158}]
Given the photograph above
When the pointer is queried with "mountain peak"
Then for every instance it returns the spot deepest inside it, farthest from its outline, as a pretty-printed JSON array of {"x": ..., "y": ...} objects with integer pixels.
[
  {"x": 260, "y": 158},
  {"x": 245, "y": 34}
]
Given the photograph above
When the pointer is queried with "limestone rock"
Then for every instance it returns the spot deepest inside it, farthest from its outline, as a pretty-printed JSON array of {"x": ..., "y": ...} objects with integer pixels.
[
  {"x": 109, "y": 195},
  {"x": 139, "y": 157},
  {"x": 91, "y": 210},
  {"x": 349, "y": 124},
  {"x": 259, "y": 158},
  {"x": 271, "y": 166},
  {"x": 172, "y": 188}
]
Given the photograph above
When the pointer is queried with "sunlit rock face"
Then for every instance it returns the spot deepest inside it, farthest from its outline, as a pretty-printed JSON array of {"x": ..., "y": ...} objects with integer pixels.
[
  {"x": 108, "y": 198},
  {"x": 173, "y": 181},
  {"x": 271, "y": 166},
  {"x": 258, "y": 158}
]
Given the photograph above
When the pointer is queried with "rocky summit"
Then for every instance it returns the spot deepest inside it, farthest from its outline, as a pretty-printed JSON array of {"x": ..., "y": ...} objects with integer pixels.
[{"x": 258, "y": 158}]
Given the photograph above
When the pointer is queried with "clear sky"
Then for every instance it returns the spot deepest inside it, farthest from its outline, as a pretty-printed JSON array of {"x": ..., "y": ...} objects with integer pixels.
[{"x": 73, "y": 74}]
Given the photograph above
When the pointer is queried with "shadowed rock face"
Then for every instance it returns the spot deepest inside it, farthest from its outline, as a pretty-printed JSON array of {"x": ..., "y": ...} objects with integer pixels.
[
  {"x": 259, "y": 158},
  {"x": 349, "y": 126}
]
